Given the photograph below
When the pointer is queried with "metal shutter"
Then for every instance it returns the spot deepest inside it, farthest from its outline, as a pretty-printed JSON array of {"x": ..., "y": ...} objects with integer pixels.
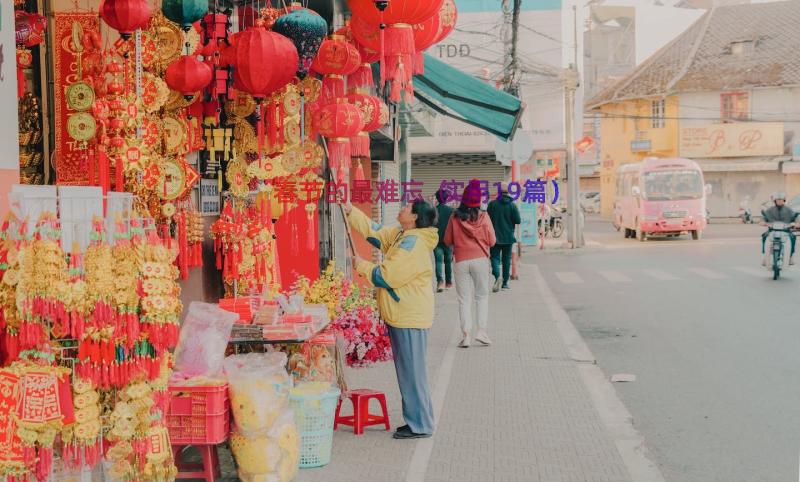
[{"x": 432, "y": 175}]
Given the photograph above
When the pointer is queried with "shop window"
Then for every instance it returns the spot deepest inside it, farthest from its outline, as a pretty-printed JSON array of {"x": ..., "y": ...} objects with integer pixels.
[
  {"x": 658, "y": 113},
  {"x": 734, "y": 106}
]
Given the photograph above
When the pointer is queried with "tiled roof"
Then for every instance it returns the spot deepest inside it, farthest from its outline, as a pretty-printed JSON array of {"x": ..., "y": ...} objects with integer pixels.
[{"x": 702, "y": 58}]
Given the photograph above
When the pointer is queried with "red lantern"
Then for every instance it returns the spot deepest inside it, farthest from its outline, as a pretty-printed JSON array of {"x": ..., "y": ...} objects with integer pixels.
[
  {"x": 448, "y": 16},
  {"x": 398, "y": 11},
  {"x": 263, "y": 61},
  {"x": 375, "y": 115},
  {"x": 424, "y": 35},
  {"x": 335, "y": 59},
  {"x": 126, "y": 16},
  {"x": 362, "y": 77},
  {"x": 188, "y": 75},
  {"x": 397, "y": 51},
  {"x": 338, "y": 122}
]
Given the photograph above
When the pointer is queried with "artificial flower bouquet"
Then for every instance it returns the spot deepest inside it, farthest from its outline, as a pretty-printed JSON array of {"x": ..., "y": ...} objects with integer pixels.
[{"x": 355, "y": 316}]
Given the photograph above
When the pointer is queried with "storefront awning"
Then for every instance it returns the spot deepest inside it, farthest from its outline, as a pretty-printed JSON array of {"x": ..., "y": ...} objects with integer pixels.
[
  {"x": 741, "y": 165},
  {"x": 456, "y": 94}
]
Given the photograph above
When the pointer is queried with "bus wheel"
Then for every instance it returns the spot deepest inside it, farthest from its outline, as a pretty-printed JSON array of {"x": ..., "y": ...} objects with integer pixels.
[{"x": 697, "y": 234}]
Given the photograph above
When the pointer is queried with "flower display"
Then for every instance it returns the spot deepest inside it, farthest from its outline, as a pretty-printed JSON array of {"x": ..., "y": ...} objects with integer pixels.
[{"x": 355, "y": 316}]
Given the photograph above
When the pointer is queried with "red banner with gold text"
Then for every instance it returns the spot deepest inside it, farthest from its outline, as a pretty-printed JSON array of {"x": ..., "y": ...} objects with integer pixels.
[{"x": 70, "y": 161}]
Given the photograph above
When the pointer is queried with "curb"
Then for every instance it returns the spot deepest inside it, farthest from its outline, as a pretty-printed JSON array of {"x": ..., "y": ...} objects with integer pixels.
[{"x": 615, "y": 416}]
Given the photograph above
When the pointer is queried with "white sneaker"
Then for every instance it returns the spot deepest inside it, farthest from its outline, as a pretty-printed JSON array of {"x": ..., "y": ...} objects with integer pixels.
[
  {"x": 497, "y": 282},
  {"x": 464, "y": 342},
  {"x": 483, "y": 338}
]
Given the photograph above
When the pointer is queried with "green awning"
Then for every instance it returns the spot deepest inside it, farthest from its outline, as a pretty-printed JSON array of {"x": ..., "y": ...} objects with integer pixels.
[{"x": 454, "y": 93}]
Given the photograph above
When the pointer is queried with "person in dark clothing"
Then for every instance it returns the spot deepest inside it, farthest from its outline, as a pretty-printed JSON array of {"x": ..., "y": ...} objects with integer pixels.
[
  {"x": 505, "y": 217},
  {"x": 442, "y": 253},
  {"x": 781, "y": 213}
]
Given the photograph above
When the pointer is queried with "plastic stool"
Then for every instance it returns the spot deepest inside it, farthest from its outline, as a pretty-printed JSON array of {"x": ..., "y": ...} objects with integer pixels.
[
  {"x": 207, "y": 469},
  {"x": 361, "y": 417}
]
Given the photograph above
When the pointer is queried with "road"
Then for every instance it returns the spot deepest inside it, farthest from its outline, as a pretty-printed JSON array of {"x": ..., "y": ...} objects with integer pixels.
[{"x": 712, "y": 340}]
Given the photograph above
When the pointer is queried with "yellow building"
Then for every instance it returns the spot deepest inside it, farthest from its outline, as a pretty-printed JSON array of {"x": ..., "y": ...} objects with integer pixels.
[{"x": 630, "y": 131}]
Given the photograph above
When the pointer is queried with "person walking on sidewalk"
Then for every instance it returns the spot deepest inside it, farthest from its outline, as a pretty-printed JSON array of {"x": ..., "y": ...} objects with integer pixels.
[
  {"x": 443, "y": 254},
  {"x": 505, "y": 218},
  {"x": 405, "y": 300},
  {"x": 471, "y": 234}
]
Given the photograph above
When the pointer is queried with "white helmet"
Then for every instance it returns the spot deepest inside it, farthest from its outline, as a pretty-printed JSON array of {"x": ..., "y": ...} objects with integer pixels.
[{"x": 778, "y": 195}]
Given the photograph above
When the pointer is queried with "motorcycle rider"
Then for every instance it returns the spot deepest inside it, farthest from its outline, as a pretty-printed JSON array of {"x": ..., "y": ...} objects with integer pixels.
[{"x": 780, "y": 212}]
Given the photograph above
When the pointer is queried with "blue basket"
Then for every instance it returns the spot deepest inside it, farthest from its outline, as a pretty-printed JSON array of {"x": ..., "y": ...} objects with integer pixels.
[{"x": 313, "y": 415}]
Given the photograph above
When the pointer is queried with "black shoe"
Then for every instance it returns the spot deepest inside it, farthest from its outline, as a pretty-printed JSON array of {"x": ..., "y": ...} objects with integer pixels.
[
  {"x": 404, "y": 435},
  {"x": 403, "y": 428}
]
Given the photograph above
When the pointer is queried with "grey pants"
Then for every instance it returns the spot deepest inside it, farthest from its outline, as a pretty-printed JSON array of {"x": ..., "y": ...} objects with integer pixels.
[{"x": 410, "y": 348}]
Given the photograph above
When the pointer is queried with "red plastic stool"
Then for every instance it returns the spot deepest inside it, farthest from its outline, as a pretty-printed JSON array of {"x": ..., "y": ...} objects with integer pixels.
[
  {"x": 361, "y": 417},
  {"x": 207, "y": 469}
]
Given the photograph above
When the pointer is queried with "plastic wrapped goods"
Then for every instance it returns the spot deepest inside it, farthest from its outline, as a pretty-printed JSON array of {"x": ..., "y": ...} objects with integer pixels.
[{"x": 204, "y": 337}]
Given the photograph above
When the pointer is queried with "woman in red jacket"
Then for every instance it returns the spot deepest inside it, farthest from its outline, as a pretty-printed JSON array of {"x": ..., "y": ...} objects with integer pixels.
[{"x": 471, "y": 234}]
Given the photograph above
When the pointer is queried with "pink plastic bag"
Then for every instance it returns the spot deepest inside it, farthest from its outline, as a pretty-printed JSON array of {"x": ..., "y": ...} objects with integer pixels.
[{"x": 204, "y": 337}]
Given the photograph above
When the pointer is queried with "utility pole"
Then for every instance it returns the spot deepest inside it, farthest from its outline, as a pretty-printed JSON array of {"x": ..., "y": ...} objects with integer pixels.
[{"x": 571, "y": 84}]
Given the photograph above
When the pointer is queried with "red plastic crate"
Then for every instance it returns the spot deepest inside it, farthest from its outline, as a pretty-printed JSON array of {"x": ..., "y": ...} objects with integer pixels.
[{"x": 198, "y": 415}]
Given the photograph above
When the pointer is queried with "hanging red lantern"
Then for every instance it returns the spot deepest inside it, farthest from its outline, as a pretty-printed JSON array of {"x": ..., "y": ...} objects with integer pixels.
[
  {"x": 188, "y": 75},
  {"x": 448, "y": 16},
  {"x": 126, "y": 16},
  {"x": 397, "y": 11},
  {"x": 433, "y": 31},
  {"x": 375, "y": 115},
  {"x": 362, "y": 77},
  {"x": 336, "y": 59},
  {"x": 263, "y": 61},
  {"x": 338, "y": 122}
]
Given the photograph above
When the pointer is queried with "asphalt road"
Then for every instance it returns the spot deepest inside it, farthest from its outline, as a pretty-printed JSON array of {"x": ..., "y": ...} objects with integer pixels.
[{"x": 712, "y": 340}]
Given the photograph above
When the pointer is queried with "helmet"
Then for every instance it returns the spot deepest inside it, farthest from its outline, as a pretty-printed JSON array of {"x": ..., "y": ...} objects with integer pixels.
[{"x": 778, "y": 195}]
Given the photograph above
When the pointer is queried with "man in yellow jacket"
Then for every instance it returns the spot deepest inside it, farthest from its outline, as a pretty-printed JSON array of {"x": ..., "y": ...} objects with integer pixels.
[{"x": 404, "y": 285}]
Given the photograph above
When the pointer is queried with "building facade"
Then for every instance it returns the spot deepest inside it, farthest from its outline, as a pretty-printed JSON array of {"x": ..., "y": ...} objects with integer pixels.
[{"x": 725, "y": 93}]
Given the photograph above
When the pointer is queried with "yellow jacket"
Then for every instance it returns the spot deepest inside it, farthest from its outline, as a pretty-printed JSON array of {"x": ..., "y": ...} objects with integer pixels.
[{"x": 404, "y": 280}]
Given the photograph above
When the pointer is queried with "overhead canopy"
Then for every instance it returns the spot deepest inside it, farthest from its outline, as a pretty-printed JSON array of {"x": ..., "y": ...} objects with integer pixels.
[{"x": 454, "y": 93}]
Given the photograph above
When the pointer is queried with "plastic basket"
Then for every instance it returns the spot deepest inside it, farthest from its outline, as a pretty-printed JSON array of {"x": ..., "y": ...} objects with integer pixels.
[
  {"x": 313, "y": 415},
  {"x": 198, "y": 415}
]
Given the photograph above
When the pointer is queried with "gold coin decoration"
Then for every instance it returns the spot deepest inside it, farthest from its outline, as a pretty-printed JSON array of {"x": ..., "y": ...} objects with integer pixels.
[
  {"x": 242, "y": 106},
  {"x": 174, "y": 132},
  {"x": 80, "y": 96},
  {"x": 291, "y": 102},
  {"x": 244, "y": 137},
  {"x": 292, "y": 160},
  {"x": 238, "y": 177},
  {"x": 312, "y": 154},
  {"x": 155, "y": 92},
  {"x": 292, "y": 132},
  {"x": 81, "y": 126},
  {"x": 311, "y": 88},
  {"x": 176, "y": 100}
]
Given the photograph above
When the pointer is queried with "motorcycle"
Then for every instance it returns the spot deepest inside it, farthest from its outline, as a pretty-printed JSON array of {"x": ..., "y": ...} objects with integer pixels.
[{"x": 776, "y": 246}]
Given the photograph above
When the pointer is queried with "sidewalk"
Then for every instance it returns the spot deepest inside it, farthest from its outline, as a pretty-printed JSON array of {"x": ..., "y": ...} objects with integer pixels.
[{"x": 532, "y": 407}]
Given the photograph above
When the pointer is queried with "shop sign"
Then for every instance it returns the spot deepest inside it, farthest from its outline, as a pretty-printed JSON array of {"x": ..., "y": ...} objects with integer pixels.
[
  {"x": 209, "y": 197},
  {"x": 744, "y": 139}
]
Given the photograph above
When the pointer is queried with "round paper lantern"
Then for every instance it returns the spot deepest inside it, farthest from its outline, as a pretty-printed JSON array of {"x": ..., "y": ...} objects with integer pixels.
[
  {"x": 188, "y": 75},
  {"x": 184, "y": 12},
  {"x": 398, "y": 11},
  {"x": 375, "y": 115},
  {"x": 126, "y": 16},
  {"x": 397, "y": 58},
  {"x": 338, "y": 122},
  {"x": 263, "y": 61},
  {"x": 336, "y": 59},
  {"x": 306, "y": 29},
  {"x": 448, "y": 16}
]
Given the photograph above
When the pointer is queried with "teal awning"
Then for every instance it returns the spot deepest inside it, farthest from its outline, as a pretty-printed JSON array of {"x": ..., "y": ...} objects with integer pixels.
[{"x": 454, "y": 93}]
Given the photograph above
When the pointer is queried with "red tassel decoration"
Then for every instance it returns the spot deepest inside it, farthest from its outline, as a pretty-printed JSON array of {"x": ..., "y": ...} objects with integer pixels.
[
  {"x": 332, "y": 88},
  {"x": 419, "y": 63},
  {"x": 359, "y": 146},
  {"x": 311, "y": 231},
  {"x": 361, "y": 78}
]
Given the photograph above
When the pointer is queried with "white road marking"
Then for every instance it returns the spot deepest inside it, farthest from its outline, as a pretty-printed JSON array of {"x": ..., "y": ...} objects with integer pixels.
[
  {"x": 613, "y": 276},
  {"x": 752, "y": 271},
  {"x": 568, "y": 277},
  {"x": 660, "y": 275},
  {"x": 707, "y": 273}
]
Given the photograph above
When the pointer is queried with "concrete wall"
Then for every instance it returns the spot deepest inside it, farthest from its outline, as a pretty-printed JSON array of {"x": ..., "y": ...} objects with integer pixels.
[{"x": 730, "y": 188}]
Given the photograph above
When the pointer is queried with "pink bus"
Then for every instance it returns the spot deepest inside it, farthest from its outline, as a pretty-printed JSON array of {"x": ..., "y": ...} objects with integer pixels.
[{"x": 661, "y": 197}]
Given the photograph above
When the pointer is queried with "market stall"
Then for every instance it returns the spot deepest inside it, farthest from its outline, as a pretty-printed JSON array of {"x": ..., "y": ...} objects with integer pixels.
[{"x": 162, "y": 139}]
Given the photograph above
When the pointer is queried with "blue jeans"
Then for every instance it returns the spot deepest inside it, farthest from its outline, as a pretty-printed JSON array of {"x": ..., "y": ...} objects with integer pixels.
[
  {"x": 410, "y": 347},
  {"x": 443, "y": 254}
]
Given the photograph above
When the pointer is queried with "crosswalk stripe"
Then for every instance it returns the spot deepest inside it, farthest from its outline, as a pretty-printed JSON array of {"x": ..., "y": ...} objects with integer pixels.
[
  {"x": 707, "y": 273},
  {"x": 752, "y": 271},
  {"x": 613, "y": 276},
  {"x": 568, "y": 277},
  {"x": 660, "y": 275}
]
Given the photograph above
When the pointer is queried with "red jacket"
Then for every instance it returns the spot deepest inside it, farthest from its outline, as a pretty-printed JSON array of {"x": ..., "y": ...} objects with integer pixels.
[{"x": 470, "y": 239}]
